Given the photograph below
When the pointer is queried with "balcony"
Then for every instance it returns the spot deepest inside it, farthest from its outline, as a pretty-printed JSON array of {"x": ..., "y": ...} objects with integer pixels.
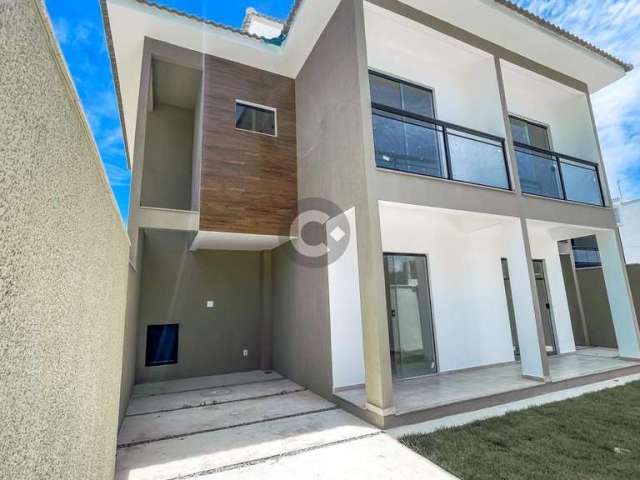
[
  {"x": 412, "y": 143},
  {"x": 553, "y": 175}
]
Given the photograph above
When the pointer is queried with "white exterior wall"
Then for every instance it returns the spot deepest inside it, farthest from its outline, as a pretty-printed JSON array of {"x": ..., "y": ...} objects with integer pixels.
[
  {"x": 563, "y": 109},
  {"x": 463, "y": 78},
  {"x": 629, "y": 218},
  {"x": 470, "y": 315},
  {"x": 543, "y": 247},
  {"x": 347, "y": 351}
]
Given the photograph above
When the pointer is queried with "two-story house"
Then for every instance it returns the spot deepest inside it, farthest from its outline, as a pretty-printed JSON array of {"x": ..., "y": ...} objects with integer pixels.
[{"x": 437, "y": 151}]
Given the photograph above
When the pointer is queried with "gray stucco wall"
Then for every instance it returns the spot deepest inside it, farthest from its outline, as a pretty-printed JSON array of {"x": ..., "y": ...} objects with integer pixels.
[
  {"x": 130, "y": 338},
  {"x": 176, "y": 284},
  {"x": 168, "y": 161},
  {"x": 63, "y": 268},
  {"x": 335, "y": 162},
  {"x": 596, "y": 303},
  {"x": 301, "y": 335},
  {"x": 596, "y": 307}
]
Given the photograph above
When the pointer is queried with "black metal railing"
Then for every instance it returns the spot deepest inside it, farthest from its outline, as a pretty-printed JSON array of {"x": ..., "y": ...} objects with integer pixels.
[
  {"x": 554, "y": 175},
  {"x": 413, "y": 143}
]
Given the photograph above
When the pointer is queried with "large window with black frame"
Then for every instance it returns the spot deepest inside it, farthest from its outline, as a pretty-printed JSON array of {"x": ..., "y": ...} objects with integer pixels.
[
  {"x": 409, "y": 138},
  {"x": 550, "y": 174}
]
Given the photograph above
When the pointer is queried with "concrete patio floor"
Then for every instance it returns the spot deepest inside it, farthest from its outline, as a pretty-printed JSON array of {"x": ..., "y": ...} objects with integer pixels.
[
  {"x": 254, "y": 425},
  {"x": 446, "y": 389}
]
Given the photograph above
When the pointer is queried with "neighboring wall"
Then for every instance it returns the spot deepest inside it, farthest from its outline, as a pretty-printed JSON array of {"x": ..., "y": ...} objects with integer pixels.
[
  {"x": 248, "y": 180},
  {"x": 596, "y": 303},
  {"x": 176, "y": 284},
  {"x": 63, "y": 267},
  {"x": 596, "y": 307},
  {"x": 629, "y": 222},
  {"x": 130, "y": 335}
]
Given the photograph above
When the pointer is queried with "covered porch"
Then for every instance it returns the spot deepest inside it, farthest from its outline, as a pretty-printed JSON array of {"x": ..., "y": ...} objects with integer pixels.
[
  {"x": 424, "y": 398},
  {"x": 477, "y": 315}
]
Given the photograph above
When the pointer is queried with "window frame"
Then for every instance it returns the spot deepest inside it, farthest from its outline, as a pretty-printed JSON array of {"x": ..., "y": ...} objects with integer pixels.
[
  {"x": 535, "y": 123},
  {"x": 147, "y": 362},
  {"x": 410, "y": 83},
  {"x": 255, "y": 106}
]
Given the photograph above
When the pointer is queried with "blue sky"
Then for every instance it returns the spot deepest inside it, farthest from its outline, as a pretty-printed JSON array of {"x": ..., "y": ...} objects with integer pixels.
[{"x": 613, "y": 25}]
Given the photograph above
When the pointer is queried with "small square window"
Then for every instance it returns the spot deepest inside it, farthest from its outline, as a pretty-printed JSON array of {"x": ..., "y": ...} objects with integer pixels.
[
  {"x": 162, "y": 345},
  {"x": 256, "y": 119}
]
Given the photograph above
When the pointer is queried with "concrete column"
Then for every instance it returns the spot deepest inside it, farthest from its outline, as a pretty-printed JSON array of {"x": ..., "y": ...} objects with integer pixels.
[
  {"x": 511, "y": 151},
  {"x": 533, "y": 355},
  {"x": 336, "y": 161},
  {"x": 616, "y": 280},
  {"x": 379, "y": 384}
]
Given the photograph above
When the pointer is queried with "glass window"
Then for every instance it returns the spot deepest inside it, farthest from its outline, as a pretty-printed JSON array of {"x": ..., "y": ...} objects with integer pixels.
[
  {"x": 255, "y": 119},
  {"x": 411, "y": 147},
  {"x": 477, "y": 160},
  {"x": 581, "y": 182},
  {"x": 401, "y": 95},
  {"x": 530, "y": 133},
  {"x": 585, "y": 252},
  {"x": 162, "y": 345},
  {"x": 539, "y": 174}
]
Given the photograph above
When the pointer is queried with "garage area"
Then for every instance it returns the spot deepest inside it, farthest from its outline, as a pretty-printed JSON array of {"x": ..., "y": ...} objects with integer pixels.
[{"x": 209, "y": 425}]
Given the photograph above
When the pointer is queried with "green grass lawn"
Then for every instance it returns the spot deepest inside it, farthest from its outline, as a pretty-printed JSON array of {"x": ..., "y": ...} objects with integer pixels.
[{"x": 596, "y": 436}]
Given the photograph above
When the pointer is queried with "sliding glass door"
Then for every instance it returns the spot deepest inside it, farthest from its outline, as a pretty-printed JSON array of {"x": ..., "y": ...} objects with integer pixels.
[{"x": 411, "y": 336}]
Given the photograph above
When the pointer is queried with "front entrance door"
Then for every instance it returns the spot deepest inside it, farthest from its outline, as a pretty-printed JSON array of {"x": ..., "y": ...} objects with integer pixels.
[
  {"x": 545, "y": 307},
  {"x": 411, "y": 335}
]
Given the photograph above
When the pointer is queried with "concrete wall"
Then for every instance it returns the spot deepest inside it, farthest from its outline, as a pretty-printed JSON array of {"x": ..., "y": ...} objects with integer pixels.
[
  {"x": 336, "y": 162},
  {"x": 63, "y": 267},
  {"x": 301, "y": 337},
  {"x": 563, "y": 109},
  {"x": 129, "y": 345},
  {"x": 168, "y": 162},
  {"x": 459, "y": 75},
  {"x": 176, "y": 284},
  {"x": 596, "y": 307},
  {"x": 629, "y": 220}
]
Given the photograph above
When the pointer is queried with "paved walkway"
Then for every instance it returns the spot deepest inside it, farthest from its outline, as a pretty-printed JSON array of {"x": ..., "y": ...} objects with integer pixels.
[{"x": 254, "y": 425}]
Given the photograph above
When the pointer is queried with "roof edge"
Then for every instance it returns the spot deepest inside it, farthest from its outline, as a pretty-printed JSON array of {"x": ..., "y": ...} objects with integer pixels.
[
  {"x": 627, "y": 67},
  {"x": 116, "y": 78}
]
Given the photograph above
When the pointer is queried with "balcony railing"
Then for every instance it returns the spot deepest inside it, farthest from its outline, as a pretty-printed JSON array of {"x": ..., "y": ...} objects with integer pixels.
[
  {"x": 421, "y": 145},
  {"x": 553, "y": 175}
]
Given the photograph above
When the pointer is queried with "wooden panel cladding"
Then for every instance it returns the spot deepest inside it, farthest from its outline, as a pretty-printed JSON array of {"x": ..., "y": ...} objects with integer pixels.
[{"x": 249, "y": 180}]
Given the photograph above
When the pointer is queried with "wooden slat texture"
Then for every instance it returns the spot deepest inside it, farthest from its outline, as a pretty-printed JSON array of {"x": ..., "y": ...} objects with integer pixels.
[{"x": 249, "y": 181}]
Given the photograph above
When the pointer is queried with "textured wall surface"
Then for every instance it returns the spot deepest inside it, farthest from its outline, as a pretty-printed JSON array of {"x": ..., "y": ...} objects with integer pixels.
[
  {"x": 63, "y": 268},
  {"x": 175, "y": 286},
  {"x": 166, "y": 182},
  {"x": 597, "y": 310}
]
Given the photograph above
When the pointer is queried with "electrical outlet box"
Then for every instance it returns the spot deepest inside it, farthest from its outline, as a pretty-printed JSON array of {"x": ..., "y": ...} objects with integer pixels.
[
  {"x": 245, "y": 353},
  {"x": 210, "y": 304}
]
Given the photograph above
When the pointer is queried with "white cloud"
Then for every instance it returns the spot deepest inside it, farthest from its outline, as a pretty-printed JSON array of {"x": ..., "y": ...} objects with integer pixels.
[
  {"x": 62, "y": 30},
  {"x": 613, "y": 25}
]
